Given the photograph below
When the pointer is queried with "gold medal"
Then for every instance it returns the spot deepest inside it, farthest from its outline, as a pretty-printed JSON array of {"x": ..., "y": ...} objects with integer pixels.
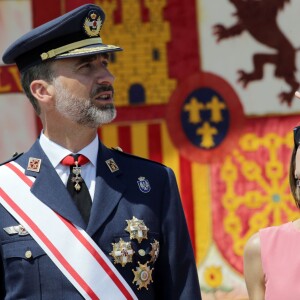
[
  {"x": 137, "y": 229},
  {"x": 142, "y": 252},
  {"x": 154, "y": 251},
  {"x": 122, "y": 252},
  {"x": 142, "y": 276}
]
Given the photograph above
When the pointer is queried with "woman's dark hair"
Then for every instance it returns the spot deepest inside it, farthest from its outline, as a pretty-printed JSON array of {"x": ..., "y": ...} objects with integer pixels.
[{"x": 295, "y": 182}]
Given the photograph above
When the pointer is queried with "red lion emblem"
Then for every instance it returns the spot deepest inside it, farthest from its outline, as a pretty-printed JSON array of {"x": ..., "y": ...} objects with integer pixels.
[{"x": 259, "y": 18}]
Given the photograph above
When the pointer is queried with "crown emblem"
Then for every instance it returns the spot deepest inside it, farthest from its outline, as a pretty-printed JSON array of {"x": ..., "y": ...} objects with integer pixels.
[{"x": 92, "y": 24}]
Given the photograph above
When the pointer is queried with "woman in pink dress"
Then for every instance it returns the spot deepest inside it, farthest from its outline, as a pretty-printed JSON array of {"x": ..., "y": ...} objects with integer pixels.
[{"x": 271, "y": 256}]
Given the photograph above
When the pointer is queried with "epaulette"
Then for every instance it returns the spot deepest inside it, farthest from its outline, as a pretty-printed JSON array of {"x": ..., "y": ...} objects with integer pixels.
[
  {"x": 14, "y": 156},
  {"x": 119, "y": 150}
]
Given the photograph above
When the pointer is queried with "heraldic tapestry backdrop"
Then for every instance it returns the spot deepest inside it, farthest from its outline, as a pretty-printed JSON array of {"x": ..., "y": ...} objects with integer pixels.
[{"x": 205, "y": 87}]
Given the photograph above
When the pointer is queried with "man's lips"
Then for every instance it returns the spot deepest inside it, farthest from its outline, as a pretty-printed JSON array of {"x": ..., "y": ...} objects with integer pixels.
[
  {"x": 103, "y": 92},
  {"x": 105, "y": 96}
]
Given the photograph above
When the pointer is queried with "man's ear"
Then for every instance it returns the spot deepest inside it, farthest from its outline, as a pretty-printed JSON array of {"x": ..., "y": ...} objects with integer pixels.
[{"x": 41, "y": 90}]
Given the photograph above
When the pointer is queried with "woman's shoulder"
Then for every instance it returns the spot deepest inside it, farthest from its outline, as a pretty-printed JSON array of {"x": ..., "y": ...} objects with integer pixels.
[
  {"x": 252, "y": 247},
  {"x": 279, "y": 229}
]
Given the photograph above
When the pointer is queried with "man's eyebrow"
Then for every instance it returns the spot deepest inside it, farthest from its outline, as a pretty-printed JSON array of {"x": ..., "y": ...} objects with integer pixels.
[
  {"x": 106, "y": 55},
  {"x": 90, "y": 58},
  {"x": 85, "y": 59}
]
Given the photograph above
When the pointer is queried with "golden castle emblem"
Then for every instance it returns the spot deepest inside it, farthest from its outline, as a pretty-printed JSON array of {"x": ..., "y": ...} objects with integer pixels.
[{"x": 142, "y": 68}]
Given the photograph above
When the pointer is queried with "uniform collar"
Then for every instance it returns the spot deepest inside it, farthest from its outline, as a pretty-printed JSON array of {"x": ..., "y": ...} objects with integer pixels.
[{"x": 56, "y": 152}]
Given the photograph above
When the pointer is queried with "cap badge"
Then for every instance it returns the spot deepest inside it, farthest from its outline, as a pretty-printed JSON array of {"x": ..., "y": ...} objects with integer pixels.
[
  {"x": 142, "y": 276},
  {"x": 137, "y": 229},
  {"x": 122, "y": 252},
  {"x": 92, "y": 24},
  {"x": 143, "y": 185},
  {"x": 112, "y": 165},
  {"x": 34, "y": 164},
  {"x": 154, "y": 251}
]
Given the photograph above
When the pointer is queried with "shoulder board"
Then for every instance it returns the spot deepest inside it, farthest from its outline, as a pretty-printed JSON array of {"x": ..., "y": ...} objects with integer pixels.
[
  {"x": 119, "y": 150},
  {"x": 14, "y": 156}
]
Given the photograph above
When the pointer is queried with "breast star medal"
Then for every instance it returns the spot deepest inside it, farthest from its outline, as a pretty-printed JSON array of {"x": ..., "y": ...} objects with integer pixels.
[
  {"x": 142, "y": 276},
  {"x": 137, "y": 229},
  {"x": 122, "y": 252},
  {"x": 154, "y": 251}
]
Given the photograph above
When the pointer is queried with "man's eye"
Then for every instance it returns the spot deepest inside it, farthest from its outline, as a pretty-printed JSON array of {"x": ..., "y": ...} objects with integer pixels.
[
  {"x": 105, "y": 62},
  {"x": 84, "y": 66}
]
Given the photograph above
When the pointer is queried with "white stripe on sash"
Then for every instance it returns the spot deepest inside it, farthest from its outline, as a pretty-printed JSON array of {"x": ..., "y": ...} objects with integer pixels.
[{"x": 73, "y": 251}]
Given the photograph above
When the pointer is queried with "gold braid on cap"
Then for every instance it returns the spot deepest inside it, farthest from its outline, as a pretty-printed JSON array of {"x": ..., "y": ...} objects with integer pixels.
[{"x": 69, "y": 47}]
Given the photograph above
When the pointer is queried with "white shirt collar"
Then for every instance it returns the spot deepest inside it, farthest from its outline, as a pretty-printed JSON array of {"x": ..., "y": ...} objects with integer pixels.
[{"x": 56, "y": 152}]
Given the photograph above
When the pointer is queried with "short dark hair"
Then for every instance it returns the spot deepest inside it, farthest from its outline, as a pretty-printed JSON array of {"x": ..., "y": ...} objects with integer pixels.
[{"x": 40, "y": 71}]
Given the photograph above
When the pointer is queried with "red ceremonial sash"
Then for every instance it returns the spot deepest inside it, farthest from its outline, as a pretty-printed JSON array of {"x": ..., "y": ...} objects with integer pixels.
[{"x": 93, "y": 275}]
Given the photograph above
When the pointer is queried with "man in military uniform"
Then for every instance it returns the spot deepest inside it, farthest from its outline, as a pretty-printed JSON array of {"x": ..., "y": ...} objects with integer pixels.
[{"x": 79, "y": 220}]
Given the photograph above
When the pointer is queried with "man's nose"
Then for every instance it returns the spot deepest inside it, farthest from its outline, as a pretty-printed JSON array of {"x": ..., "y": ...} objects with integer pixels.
[{"x": 104, "y": 75}]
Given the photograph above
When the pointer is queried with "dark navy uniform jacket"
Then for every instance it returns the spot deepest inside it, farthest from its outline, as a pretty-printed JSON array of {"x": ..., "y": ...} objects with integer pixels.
[{"x": 118, "y": 198}]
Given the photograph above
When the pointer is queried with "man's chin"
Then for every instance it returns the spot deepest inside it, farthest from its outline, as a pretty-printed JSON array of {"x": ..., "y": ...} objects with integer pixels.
[{"x": 107, "y": 116}]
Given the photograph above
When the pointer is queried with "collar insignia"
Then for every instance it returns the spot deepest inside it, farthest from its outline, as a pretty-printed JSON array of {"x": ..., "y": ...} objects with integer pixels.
[
  {"x": 34, "y": 164},
  {"x": 92, "y": 24},
  {"x": 112, "y": 165}
]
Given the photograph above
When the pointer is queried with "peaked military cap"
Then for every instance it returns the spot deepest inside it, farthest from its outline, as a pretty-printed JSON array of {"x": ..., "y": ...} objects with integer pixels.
[{"x": 76, "y": 33}]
